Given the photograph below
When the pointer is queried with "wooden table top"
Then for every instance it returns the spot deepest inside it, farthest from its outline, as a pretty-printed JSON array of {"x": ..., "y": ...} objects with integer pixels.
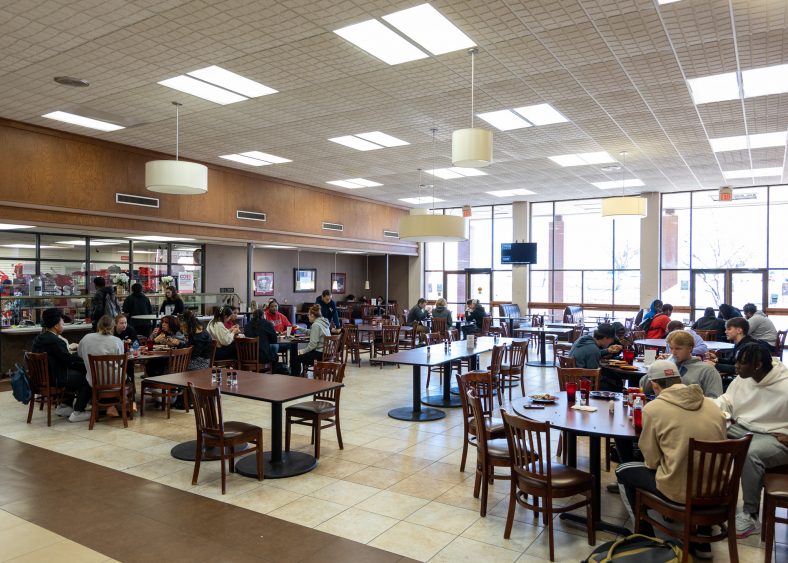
[
  {"x": 437, "y": 354},
  {"x": 640, "y": 372},
  {"x": 366, "y": 327},
  {"x": 599, "y": 423},
  {"x": 662, "y": 343},
  {"x": 270, "y": 388},
  {"x": 546, "y": 330}
]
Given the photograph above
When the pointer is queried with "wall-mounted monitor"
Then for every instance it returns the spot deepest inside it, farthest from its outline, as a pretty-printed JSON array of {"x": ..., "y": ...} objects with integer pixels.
[{"x": 518, "y": 253}]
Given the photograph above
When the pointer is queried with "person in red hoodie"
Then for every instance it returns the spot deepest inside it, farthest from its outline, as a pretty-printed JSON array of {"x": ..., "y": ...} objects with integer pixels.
[
  {"x": 279, "y": 321},
  {"x": 659, "y": 323}
]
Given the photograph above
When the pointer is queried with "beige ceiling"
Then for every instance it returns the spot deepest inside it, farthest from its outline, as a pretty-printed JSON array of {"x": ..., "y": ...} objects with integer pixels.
[{"x": 615, "y": 68}]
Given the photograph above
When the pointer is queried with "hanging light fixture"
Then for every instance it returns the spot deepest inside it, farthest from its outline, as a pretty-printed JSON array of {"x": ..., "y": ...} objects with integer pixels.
[
  {"x": 422, "y": 226},
  {"x": 335, "y": 283},
  {"x": 366, "y": 282},
  {"x": 472, "y": 148},
  {"x": 624, "y": 206},
  {"x": 176, "y": 176}
]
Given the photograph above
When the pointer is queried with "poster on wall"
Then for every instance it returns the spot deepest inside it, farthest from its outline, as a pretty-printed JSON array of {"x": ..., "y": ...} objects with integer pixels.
[
  {"x": 338, "y": 280},
  {"x": 304, "y": 280},
  {"x": 263, "y": 283},
  {"x": 185, "y": 282}
]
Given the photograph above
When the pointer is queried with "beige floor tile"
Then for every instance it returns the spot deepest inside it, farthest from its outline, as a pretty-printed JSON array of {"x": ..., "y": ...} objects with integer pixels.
[
  {"x": 387, "y": 444},
  {"x": 427, "y": 451},
  {"x": 62, "y": 551},
  {"x": 464, "y": 549},
  {"x": 158, "y": 468},
  {"x": 22, "y": 539},
  {"x": 412, "y": 540},
  {"x": 394, "y": 505},
  {"x": 490, "y": 530},
  {"x": 422, "y": 487},
  {"x": 403, "y": 463},
  {"x": 462, "y": 496},
  {"x": 345, "y": 492},
  {"x": 265, "y": 499},
  {"x": 444, "y": 517},
  {"x": 377, "y": 477},
  {"x": 447, "y": 472},
  {"x": 8, "y": 520},
  {"x": 308, "y": 511},
  {"x": 303, "y": 484},
  {"x": 337, "y": 468},
  {"x": 367, "y": 456},
  {"x": 568, "y": 547},
  {"x": 357, "y": 525}
]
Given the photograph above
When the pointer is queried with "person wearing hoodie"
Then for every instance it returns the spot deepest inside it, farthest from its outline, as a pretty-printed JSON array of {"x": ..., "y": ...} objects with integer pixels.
[
  {"x": 679, "y": 412},
  {"x": 757, "y": 401},
  {"x": 658, "y": 327},
  {"x": 761, "y": 326},
  {"x": 104, "y": 301},
  {"x": 441, "y": 311},
  {"x": 653, "y": 310},
  {"x": 728, "y": 312},
  {"x": 589, "y": 349},
  {"x": 314, "y": 350},
  {"x": 736, "y": 331},
  {"x": 692, "y": 369},
  {"x": 137, "y": 303},
  {"x": 709, "y": 321}
]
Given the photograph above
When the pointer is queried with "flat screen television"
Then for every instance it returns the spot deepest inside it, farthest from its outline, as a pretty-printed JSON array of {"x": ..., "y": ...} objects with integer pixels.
[{"x": 518, "y": 253}]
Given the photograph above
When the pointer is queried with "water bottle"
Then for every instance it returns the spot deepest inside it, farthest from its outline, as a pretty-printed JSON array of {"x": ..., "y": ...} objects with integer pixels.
[
  {"x": 637, "y": 414},
  {"x": 135, "y": 348}
]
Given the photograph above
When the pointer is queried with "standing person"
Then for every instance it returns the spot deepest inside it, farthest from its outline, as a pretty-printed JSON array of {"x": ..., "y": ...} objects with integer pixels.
[
  {"x": 198, "y": 338},
  {"x": 104, "y": 301},
  {"x": 65, "y": 369},
  {"x": 328, "y": 308},
  {"x": 279, "y": 320},
  {"x": 99, "y": 343},
  {"x": 441, "y": 311},
  {"x": 658, "y": 327},
  {"x": 761, "y": 326},
  {"x": 709, "y": 321},
  {"x": 589, "y": 349},
  {"x": 225, "y": 338},
  {"x": 317, "y": 333},
  {"x": 172, "y": 304},
  {"x": 263, "y": 329},
  {"x": 137, "y": 303},
  {"x": 757, "y": 401}
]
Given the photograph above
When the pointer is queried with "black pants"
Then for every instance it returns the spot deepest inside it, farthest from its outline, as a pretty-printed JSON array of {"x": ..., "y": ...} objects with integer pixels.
[
  {"x": 306, "y": 359},
  {"x": 76, "y": 382},
  {"x": 226, "y": 352},
  {"x": 626, "y": 450},
  {"x": 633, "y": 476}
]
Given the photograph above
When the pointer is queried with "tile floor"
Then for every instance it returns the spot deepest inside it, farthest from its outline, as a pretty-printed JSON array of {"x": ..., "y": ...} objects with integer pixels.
[{"x": 395, "y": 486}]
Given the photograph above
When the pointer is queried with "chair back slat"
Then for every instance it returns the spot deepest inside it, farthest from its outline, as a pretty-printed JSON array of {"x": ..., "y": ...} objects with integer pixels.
[
  {"x": 517, "y": 353},
  {"x": 351, "y": 335},
  {"x": 330, "y": 348},
  {"x": 486, "y": 324},
  {"x": 248, "y": 349},
  {"x": 566, "y": 361},
  {"x": 37, "y": 369},
  {"x": 179, "y": 360},
  {"x": 453, "y": 335},
  {"x": 483, "y": 386},
  {"x": 439, "y": 325},
  {"x": 576, "y": 374},
  {"x": 529, "y": 447},
  {"x": 390, "y": 335},
  {"x": 207, "y": 409},
  {"x": 476, "y": 411},
  {"x": 430, "y": 338},
  {"x": 714, "y": 470},
  {"x": 108, "y": 371},
  {"x": 329, "y": 371},
  {"x": 496, "y": 359}
]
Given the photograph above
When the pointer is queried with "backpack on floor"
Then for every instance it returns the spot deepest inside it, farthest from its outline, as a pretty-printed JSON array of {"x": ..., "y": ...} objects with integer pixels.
[
  {"x": 636, "y": 548},
  {"x": 21, "y": 385}
]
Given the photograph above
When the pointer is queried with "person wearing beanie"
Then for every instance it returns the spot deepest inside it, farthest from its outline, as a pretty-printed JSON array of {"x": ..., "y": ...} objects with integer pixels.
[{"x": 65, "y": 369}]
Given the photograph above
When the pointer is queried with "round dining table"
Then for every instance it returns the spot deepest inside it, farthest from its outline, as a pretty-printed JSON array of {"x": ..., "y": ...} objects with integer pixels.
[{"x": 662, "y": 343}]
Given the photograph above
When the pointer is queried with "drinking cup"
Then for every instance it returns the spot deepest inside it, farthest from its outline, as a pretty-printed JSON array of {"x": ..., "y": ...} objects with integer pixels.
[
  {"x": 629, "y": 356},
  {"x": 571, "y": 390}
]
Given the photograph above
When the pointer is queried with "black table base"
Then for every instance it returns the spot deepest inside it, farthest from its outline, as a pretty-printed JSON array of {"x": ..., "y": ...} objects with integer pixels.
[
  {"x": 291, "y": 464},
  {"x": 600, "y": 526},
  {"x": 441, "y": 401},
  {"x": 422, "y": 415},
  {"x": 185, "y": 451},
  {"x": 538, "y": 364}
]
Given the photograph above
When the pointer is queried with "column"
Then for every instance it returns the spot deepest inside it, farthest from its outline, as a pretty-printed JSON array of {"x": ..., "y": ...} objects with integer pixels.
[
  {"x": 521, "y": 217},
  {"x": 649, "y": 251}
]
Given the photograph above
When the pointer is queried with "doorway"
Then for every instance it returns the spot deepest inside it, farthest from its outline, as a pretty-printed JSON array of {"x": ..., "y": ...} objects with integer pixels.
[
  {"x": 470, "y": 283},
  {"x": 710, "y": 288}
]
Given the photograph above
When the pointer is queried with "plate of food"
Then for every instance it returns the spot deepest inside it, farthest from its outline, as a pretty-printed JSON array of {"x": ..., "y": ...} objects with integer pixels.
[
  {"x": 545, "y": 398},
  {"x": 608, "y": 395},
  {"x": 628, "y": 367}
]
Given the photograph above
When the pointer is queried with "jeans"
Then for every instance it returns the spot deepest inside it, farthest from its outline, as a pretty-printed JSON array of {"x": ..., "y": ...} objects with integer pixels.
[
  {"x": 76, "y": 382},
  {"x": 636, "y": 475},
  {"x": 765, "y": 452}
]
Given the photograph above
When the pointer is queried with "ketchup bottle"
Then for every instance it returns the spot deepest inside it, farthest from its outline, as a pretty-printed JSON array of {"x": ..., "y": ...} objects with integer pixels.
[{"x": 637, "y": 414}]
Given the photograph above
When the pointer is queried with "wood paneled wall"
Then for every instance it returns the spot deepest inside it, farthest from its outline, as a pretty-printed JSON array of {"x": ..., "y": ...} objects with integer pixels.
[{"x": 54, "y": 178}]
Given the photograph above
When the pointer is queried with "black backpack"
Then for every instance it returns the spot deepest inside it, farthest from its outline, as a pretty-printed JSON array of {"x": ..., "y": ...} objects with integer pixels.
[{"x": 636, "y": 548}]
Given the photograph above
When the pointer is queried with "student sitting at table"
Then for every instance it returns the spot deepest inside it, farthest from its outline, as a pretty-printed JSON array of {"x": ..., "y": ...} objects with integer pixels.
[
  {"x": 736, "y": 331},
  {"x": 474, "y": 313},
  {"x": 279, "y": 320},
  {"x": 100, "y": 343},
  {"x": 418, "y": 314},
  {"x": 658, "y": 327},
  {"x": 679, "y": 412},
  {"x": 225, "y": 338},
  {"x": 699, "y": 348},
  {"x": 314, "y": 350},
  {"x": 168, "y": 332},
  {"x": 65, "y": 369},
  {"x": 691, "y": 368},
  {"x": 197, "y": 337},
  {"x": 263, "y": 329},
  {"x": 709, "y": 321},
  {"x": 441, "y": 311},
  {"x": 124, "y": 331},
  {"x": 757, "y": 401},
  {"x": 589, "y": 349}
]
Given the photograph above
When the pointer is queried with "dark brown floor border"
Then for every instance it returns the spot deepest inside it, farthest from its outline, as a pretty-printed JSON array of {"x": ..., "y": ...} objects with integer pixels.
[{"x": 132, "y": 519}]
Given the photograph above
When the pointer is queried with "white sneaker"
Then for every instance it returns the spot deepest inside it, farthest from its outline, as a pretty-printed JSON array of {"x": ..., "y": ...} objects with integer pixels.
[
  {"x": 746, "y": 525},
  {"x": 63, "y": 410},
  {"x": 79, "y": 416}
]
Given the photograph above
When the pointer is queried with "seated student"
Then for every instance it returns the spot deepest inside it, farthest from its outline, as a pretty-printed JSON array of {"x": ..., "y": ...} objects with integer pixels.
[
  {"x": 225, "y": 338},
  {"x": 418, "y": 313},
  {"x": 317, "y": 333},
  {"x": 124, "y": 330},
  {"x": 761, "y": 326},
  {"x": 709, "y": 321},
  {"x": 692, "y": 369},
  {"x": 474, "y": 312},
  {"x": 263, "y": 329},
  {"x": 736, "y": 330},
  {"x": 679, "y": 412},
  {"x": 757, "y": 401},
  {"x": 198, "y": 338},
  {"x": 279, "y": 320},
  {"x": 99, "y": 343},
  {"x": 658, "y": 327},
  {"x": 65, "y": 369},
  {"x": 653, "y": 310},
  {"x": 441, "y": 311},
  {"x": 168, "y": 332},
  {"x": 728, "y": 312},
  {"x": 699, "y": 348},
  {"x": 589, "y": 349}
]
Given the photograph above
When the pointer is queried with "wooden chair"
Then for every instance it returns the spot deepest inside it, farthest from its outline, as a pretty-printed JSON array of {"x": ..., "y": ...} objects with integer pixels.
[
  {"x": 638, "y": 335},
  {"x": 775, "y": 495},
  {"x": 353, "y": 345},
  {"x": 483, "y": 384},
  {"x": 490, "y": 452},
  {"x": 178, "y": 362},
  {"x": 43, "y": 392},
  {"x": 389, "y": 342},
  {"x": 221, "y": 363},
  {"x": 486, "y": 324},
  {"x": 534, "y": 474},
  {"x": 496, "y": 361},
  {"x": 248, "y": 350},
  {"x": 501, "y": 330},
  {"x": 429, "y": 339},
  {"x": 513, "y": 371},
  {"x": 713, "y": 475},
  {"x": 213, "y": 431},
  {"x": 707, "y": 335},
  {"x": 575, "y": 374},
  {"x": 566, "y": 361},
  {"x": 324, "y": 407},
  {"x": 109, "y": 385},
  {"x": 331, "y": 351},
  {"x": 407, "y": 338},
  {"x": 439, "y": 325},
  {"x": 779, "y": 344},
  {"x": 563, "y": 348}
]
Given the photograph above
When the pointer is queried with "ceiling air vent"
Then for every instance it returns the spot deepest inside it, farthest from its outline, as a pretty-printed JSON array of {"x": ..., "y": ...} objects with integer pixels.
[
  {"x": 250, "y": 215},
  {"x": 333, "y": 227},
  {"x": 390, "y": 234},
  {"x": 127, "y": 199}
]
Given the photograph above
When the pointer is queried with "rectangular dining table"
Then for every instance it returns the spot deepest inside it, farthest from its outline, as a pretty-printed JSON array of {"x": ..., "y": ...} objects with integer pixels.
[
  {"x": 541, "y": 332},
  {"x": 431, "y": 356},
  {"x": 266, "y": 387}
]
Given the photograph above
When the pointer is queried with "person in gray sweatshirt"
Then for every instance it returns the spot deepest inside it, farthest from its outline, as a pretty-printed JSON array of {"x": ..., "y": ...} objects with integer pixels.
[
  {"x": 441, "y": 311},
  {"x": 761, "y": 326},
  {"x": 589, "y": 349},
  {"x": 691, "y": 368}
]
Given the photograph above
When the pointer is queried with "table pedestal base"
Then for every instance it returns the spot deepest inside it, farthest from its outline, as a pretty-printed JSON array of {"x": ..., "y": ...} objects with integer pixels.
[
  {"x": 423, "y": 415},
  {"x": 538, "y": 364},
  {"x": 441, "y": 401},
  {"x": 291, "y": 464},
  {"x": 600, "y": 526},
  {"x": 185, "y": 451}
]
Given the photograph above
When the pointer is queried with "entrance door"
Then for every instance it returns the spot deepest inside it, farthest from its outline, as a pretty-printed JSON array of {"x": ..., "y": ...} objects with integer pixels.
[
  {"x": 710, "y": 288},
  {"x": 479, "y": 285}
]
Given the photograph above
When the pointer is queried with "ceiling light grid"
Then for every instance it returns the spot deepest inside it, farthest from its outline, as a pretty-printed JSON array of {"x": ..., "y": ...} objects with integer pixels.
[{"x": 217, "y": 85}]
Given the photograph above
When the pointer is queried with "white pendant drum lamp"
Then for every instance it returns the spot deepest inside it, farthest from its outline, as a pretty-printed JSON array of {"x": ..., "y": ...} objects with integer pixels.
[
  {"x": 624, "y": 206},
  {"x": 422, "y": 226},
  {"x": 176, "y": 176},
  {"x": 335, "y": 283},
  {"x": 472, "y": 148},
  {"x": 366, "y": 282}
]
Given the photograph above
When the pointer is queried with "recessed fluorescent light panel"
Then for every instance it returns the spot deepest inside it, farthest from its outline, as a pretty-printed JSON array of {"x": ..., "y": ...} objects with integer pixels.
[
  {"x": 766, "y": 80},
  {"x": 660, "y": 2},
  {"x": 526, "y": 116},
  {"x": 511, "y": 193},
  {"x": 714, "y": 88},
  {"x": 154, "y": 238},
  {"x": 354, "y": 183},
  {"x": 541, "y": 114},
  {"x": 381, "y": 42},
  {"x": 429, "y": 28},
  {"x": 371, "y": 141},
  {"x": 217, "y": 85},
  {"x": 631, "y": 183},
  {"x": 757, "y": 141},
  {"x": 583, "y": 158},
  {"x": 455, "y": 172},
  {"x": 504, "y": 120},
  {"x": 74, "y": 119},
  {"x": 753, "y": 173},
  {"x": 421, "y": 200},
  {"x": 10, "y": 226},
  {"x": 255, "y": 158}
]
